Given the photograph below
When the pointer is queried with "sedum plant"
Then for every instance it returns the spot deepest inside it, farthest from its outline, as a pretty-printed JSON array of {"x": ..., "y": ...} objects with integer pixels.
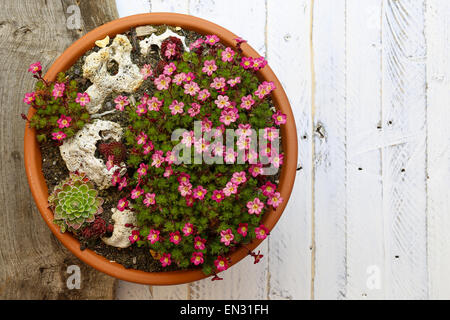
[{"x": 75, "y": 202}]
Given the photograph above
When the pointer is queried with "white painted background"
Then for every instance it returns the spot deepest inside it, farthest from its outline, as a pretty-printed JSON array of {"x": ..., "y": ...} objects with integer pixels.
[{"x": 369, "y": 84}]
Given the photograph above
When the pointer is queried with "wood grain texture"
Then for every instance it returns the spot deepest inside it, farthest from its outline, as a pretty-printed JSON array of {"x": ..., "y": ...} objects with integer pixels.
[
  {"x": 330, "y": 143},
  {"x": 404, "y": 163},
  {"x": 33, "y": 263},
  {"x": 438, "y": 146},
  {"x": 288, "y": 53}
]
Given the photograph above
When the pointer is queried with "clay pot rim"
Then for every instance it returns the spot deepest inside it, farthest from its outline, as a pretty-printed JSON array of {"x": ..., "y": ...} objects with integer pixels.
[{"x": 32, "y": 155}]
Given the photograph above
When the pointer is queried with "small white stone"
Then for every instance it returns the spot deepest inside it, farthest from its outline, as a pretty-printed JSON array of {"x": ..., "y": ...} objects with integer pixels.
[
  {"x": 158, "y": 40},
  {"x": 121, "y": 234},
  {"x": 102, "y": 43},
  {"x": 128, "y": 78},
  {"x": 145, "y": 30},
  {"x": 78, "y": 152}
]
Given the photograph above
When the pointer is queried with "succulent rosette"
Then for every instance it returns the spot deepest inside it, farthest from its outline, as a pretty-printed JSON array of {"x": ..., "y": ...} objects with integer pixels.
[{"x": 75, "y": 202}]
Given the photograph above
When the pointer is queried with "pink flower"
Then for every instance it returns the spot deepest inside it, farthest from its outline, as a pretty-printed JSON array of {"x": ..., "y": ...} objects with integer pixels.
[
  {"x": 238, "y": 177},
  {"x": 147, "y": 147},
  {"x": 255, "y": 206},
  {"x": 259, "y": 63},
  {"x": 268, "y": 188},
  {"x": 247, "y": 62},
  {"x": 175, "y": 237},
  {"x": 277, "y": 160},
  {"x": 141, "y": 138},
  {"x": 64, "y": 122},
  {"x": 162, "y": 82},
  {"x": 121, "y": 102},
  {"x": 188, "y": 137},
  {"x": 271, "y": 133},
  {"x": 230, "y": 188},
  {"x": 239, "y": 40},
  {"x": 110, "y": 162},
  {"x": 35, "y": 67},
  {"x": 136, "y": 193},
  {"x": 243, "y": 229},
  {"x": 201, "y": 145},
  {"x": 58, "y": 90},
  {"x": 194, "y": 109},
  {"x": 226, "y": 236},
  {"x": 230, "y": 156},
  {"x": 197, "y": 258},
  {"x": 217, "y": 149},
  {"x": 153, "y": 236},
  {"x": 122, "y": 204},
  {"x": 123, "y": 183},
  {"x": 179, "y": 78},
  {"x": 199, "y": 193},
  {"x": 83, "y": 99},
  {"x": 165, "y": 260},
  {"x": 218, "y": 83},
  {"x": 209, "y": 66},
  {"x": 199, "y": 243},
  {"x": 134, "y": 236},
  {"x": 115, "y": 178},
  {"x": 170, "y": 157},
  {"x": 218, "y": 196},
  {"x": 275, "y": 200},
  {"x": 190, "y": 77},
  {"x": 244, "y": 129},
  {"x": 146, "y": 71},
  {"x": 58, "y": 136},
  {"x": 141, "y": 109},
  {"x": 170, "y": 50},
  {"x": 29, "y": 97},
  {"x": 212, "y": 39},
  {"x": 191, "y": 88},
  {"x": 149, "y": 199},
  {"x": 176, "y": 107},
  {"x": 169, "y": 68},
  {"x": 203, "y": 95},
  {"x": 247, "y": 102},
  {"x": 222, "y": 102},
  {"x": 158, "y": 159},
  {"x": 206, "y": 125},
  {"x": 228, "y": 116},
  {"x": 196, "y": 44},
  {"x": 227, "y": 55},
  {"x": 185, "y": 189},
  {"x": 168, "y": 172},
  {"x": 143, "y": 169},
  {"x": 189, "y": 201},
  {"x": 183, "y": 177},
  {"x": 264, "y": 89},
  {"x": 261, "y": 232},
  {"x": 188, "y": 229},
  {"x": 235, "y": 81},
  {"x": 244, "y": 143},
  {"x": 221, "y": 263},
  {"x": 256, "y": 169},
  {"x": 154, "y": 104},
  {"x": 279, "y": 118}
]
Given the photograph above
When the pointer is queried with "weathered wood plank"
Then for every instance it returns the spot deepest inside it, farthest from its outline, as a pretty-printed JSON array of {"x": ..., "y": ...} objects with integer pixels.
[
  {"x": 365, "y": 249},
  {"x": 438, "y": 146},
  {"x": 329, "y": 145},
  {"x": 33, "y": 263},
  {"x": 404, "y": 163},
  {"x": 288, "y": 53}
]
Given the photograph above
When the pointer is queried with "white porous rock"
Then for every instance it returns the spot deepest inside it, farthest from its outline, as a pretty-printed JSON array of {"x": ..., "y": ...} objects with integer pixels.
[
  {"x": 121, "y": 233},
  {"x": 78, "y": 152},
  {"x": 128, "y": 78},
  {"x": 158, "y": 40}
]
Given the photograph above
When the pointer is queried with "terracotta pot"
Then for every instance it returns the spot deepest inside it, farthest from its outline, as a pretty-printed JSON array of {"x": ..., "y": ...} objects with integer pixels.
[{"x": 33, "y": 156}]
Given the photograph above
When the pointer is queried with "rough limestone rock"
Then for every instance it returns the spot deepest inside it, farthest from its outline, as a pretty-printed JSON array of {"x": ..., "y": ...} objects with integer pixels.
[
  {"x": 78, "y": 152},
  {"x": 128, "y": 78},
  {"x": 158, "y": 40},
  {"x": 121, "y": 233}
]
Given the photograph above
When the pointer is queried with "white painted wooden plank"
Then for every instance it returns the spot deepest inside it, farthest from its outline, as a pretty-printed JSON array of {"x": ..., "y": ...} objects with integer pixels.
[
  {"x": 329, "y": 145},
  {"x": 365, "y": 250},
  {"x": 404, "y": 165},
  {"x": 244, "y": 280},
  {"x": 130, "y": 7},
  {"x": 438, "y": 151},
  {"x": 132, "y": 291},
  {"x": 288, "y": 53},
  {"x": 179, "y": 6}
]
